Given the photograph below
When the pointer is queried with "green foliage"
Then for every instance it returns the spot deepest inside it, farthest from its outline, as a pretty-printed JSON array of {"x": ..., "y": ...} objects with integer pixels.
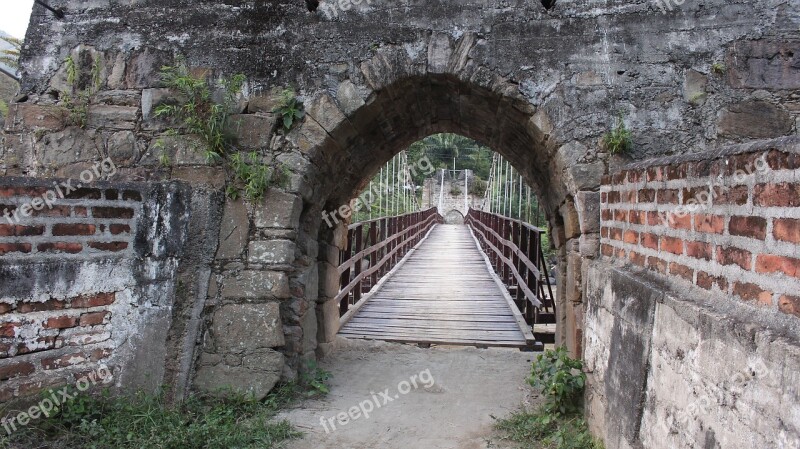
[
  {"x": 76, "y": 101},
  {"x": 198, "y": 113},
  {"x": 147, "y": 421},
  {"x": 718, "y": 68},
  {"x": 10, "y": 57},
  {"x": 315, "y": 380},
  {"x": 455, "y": 190},
  {"x": 562, "y": 380},
  {"x": 3, "y": 108},
  {"x": 290, "y": 109},
  {"x": 618, "y": 140},
  {"x": 557, "y": 424},
  {"x": 542, "y": 430}
]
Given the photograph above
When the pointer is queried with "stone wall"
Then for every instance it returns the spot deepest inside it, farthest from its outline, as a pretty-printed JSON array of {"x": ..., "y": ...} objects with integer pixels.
[{"x": 692, "y": 320}]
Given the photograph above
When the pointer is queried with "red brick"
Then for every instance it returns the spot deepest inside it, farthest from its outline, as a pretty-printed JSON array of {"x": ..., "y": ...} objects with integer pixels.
[
  {"x": 699, "y": 250},
  {"x": 621, "y": 215},
  {"x": 667, "y": 196},
  {"x": 656, "y": 218},
  {"x": 75, "y": 358},
  {"x": 709, "y": 223},
  {"x": 620, "y": 253},
  {"x": 605, "y": 180},
  {"x": 655, "y": 174},
  {"x": 60, "y": 247},
  {"x": 683, "y": 271},
  {"x": 696, "y": 195},
  {"x": 632, "y": 195},
  {"x": 109, "y": 246},
  {"x": 607, "y": 250},
  {"x": 62, "y": 229},
  {"x": 62, "y": 322},
  {"x": 677, "y": 171},
  {"x": 731, "y": 195},
  {"x": 707, "y": 281},
  {"x": 20, "y": 231},
  {"x": 56, "y": 211},
  {"x": 732, "y": 255},
  {"x": 112, "y": 212},
  {"x": 657, "y": 264},
  {"x": 777, "y": 195},
  {"x": 117, "y": 229},
  {"x": 634, "y": 176},
  {"x": 755, "y": 227},
  {"x": 647, "y": 196},
  {"x": 752, "y": 292},
  {"x": 85, "y": 194},
  {"x": 615, "y": 234},
  {"x": 98, "y": 300},
  {"x": 94, "y": 318},
  {"x": 10, "y": 192},
  {"x": 778, "y": 160},
  {"x": 28, "y": 307},
  {"x": 603, "y": 197},
  {"x": 9, "y": 330},
  {"x": 671, "y": 245},
  {"x": 786, "y": 229},
  {"x": 6, "y": 248},
  {"x": 42, "y": 344},
  {"x": 637, "y": 217},
  {"x": 789, "y": 304},
  {"x": 16, "y": 370},
  {"x": 613, "y": 197},
  {"x": 80, "y": 211},
  {"x": 745, "y": 163},
  {"x": 650, "y": 241},
  {"x": 680, "y": 221},
  {"x": 631, "y": 237},
  {"x": 604, "y": 232},
  {"x": 637, "y": 258},
  {"x": 100, "y": 354},
  {"x": 5, "y": 308},
  {"x": 770, "y": 263},
  {"x": 618, "y": 178}
]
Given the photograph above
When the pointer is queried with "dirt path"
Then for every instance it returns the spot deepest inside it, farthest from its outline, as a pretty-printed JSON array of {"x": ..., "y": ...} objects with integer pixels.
[{"x": 458, "y": 392}]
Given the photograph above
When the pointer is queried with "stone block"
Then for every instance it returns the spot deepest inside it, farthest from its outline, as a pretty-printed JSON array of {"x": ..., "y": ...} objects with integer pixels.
[
  {"x": 112, "y": 117},
  {"x": 246, "y": 328},
  {"x": 234, "y": 230},
  {"x": 257, "y": 285},
  {"x": 694, "y": 87},
  {"x": 279, "y": 210},
  {"x": 757, "y": 119},
  {"x": 256, "y": 376},
  {"x": 327, "y": 321},
  {"x": 272, "y": 252},
  {"x": 253, "y": 131},
  {"x": 348, "y": 97},
  {"x": 588, "y": 208}
]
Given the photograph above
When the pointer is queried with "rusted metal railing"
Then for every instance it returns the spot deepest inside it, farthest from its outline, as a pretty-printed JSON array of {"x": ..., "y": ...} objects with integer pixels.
[
  {"x": 515, "y": 251},
  {"x": 374, "y": 247}
]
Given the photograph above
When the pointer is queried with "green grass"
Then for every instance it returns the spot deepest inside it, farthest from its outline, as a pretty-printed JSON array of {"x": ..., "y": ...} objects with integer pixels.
[
  {"x": 149, "y": 422},
  {"x": 544, "y": 430}
]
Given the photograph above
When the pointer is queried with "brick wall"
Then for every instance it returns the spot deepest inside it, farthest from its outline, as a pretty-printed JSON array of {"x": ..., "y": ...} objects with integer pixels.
[
  {"x": 727, "y": 222},
  {"x": 65, "y": 278}
]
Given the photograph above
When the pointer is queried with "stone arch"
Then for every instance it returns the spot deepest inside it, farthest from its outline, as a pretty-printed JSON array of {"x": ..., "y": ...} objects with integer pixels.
[{"x": 349, "y": 135}]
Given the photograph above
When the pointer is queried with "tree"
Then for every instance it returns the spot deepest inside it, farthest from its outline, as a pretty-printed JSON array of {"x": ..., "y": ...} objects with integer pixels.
[{"x": 10, "y": 57}]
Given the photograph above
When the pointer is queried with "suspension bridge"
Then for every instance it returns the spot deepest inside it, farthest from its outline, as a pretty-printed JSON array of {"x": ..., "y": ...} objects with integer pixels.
[{"x": 413, "y": 279}]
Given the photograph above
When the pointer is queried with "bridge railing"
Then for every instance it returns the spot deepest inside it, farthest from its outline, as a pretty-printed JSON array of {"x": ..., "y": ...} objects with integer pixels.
[
  {"x": 515, "y": 251},
  {"x": 374, "y": 247}
]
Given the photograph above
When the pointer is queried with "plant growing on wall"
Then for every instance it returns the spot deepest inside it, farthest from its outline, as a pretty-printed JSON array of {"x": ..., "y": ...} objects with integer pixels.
[
  {"x": 618, "y": 139},
  {"x": 10, "y": 56},
  {"x": 196, "y": 112},
  {"x": 76, "y": 100},
  {"x": 290, "y": 109}
]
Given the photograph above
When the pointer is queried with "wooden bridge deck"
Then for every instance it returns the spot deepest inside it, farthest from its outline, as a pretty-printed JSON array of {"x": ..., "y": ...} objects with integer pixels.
[{"x": 443, "y": 293}]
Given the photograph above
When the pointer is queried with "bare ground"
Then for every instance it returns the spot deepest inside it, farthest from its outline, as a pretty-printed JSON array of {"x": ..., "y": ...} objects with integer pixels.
[{"x": 452, "y": 408}]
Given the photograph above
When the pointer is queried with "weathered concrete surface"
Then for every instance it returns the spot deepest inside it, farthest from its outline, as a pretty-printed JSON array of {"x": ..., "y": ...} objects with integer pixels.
[
  {"x": 681, "y": 369},
  {"x": 468, "y": 390}
]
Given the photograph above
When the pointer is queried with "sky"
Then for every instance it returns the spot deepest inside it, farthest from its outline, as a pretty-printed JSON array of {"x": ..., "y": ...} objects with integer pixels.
[{"x": 15, "y": 16}]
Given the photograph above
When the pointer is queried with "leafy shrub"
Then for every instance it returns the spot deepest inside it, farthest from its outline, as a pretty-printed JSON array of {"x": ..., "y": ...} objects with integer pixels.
[
  {"x": 290, "y": 109},
  {"x": 560, "y": 377}
]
